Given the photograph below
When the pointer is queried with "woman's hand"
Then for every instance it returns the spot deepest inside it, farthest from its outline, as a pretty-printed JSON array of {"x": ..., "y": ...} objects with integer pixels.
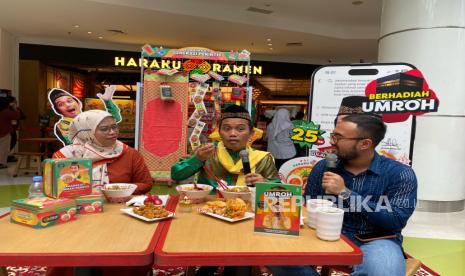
[
  {"x": 205, "y": 152},
  {"x": 252, "y": 178}
]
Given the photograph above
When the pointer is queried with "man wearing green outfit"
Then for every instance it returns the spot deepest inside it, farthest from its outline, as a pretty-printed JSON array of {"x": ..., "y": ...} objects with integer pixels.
[{"x": 235, "y": 128}]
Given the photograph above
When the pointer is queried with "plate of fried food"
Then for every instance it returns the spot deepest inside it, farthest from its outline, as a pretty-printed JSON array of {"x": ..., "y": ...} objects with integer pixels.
[
  {"x": 231, "y": 210},
  {"x": 149, "y": 212}
]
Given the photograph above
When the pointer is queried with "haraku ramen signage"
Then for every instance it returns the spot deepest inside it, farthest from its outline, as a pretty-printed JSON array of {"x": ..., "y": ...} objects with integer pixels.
[{"x": 177, "y": 64}]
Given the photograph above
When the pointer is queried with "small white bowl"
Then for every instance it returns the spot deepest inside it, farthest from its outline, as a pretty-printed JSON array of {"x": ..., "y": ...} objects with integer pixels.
[
  {"x": 247, "y": 196},
  {"x": 118, "y": 192},
  {"x": 196, "y": 196}
]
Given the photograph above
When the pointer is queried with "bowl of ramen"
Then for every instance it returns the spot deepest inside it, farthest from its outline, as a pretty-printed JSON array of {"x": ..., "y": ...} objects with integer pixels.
[
  {"x": 195, "y": 195},
  {"x": 118, "y": 192},
  {"x": 242, "y": 192}
]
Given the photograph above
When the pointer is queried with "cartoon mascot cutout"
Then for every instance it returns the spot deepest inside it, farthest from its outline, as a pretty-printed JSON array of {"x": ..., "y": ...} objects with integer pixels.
[{"x": 68, "y": 107}]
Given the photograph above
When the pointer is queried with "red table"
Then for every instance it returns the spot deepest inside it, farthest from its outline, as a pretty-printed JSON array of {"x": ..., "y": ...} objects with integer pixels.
[
  {"x": 195, "y": 239},
  {"x": 110, "y": 238}
]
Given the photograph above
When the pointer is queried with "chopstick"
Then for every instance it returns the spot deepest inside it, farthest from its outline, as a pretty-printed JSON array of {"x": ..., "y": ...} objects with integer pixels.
[{"x": 209, "y": 171}]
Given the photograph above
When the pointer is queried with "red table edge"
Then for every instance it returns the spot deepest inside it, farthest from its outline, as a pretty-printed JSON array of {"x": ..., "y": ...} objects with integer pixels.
[
  {"x": 85, "y": 259},
  {"x": 251, "y": 258}
]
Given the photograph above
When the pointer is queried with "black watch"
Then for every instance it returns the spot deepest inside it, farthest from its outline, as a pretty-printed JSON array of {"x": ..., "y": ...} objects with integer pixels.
[{"x": 344, "y": 195}]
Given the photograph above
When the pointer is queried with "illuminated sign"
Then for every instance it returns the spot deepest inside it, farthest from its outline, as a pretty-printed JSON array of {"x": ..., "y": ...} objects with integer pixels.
[{"x": 177, "y": 64}]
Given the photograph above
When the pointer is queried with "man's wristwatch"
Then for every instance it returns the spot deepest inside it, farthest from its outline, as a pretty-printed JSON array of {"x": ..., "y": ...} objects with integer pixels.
[{"x": 344, "y": 195}]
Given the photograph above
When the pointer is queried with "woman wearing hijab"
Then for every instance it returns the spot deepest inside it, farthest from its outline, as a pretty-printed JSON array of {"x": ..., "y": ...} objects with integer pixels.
[
  {"x": 278, "y": 134},
  {"x": 94, "y": 134}
]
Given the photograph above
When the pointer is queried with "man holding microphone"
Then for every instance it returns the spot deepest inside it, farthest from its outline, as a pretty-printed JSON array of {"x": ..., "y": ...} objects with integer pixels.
[
  {"x": 224, "y": 158},
  {"x": 378, "y": 194}
]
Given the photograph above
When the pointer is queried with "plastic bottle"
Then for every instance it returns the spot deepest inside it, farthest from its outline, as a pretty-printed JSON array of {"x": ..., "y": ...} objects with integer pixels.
[{"x": 37, "y": 187}]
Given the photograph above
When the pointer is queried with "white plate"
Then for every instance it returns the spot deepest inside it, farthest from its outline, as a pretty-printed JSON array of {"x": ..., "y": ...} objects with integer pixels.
[
  {"x": 247, "y": 215},
  {"x": 130, "y": 212}
]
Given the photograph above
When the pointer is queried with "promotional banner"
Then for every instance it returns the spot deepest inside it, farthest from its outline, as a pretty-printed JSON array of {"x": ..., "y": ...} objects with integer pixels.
[
  {"x": 399, "y": 96},
  {"x": 331, "y": 84},
  {"x": 206, "y": 71},
  {"x": 296, "y": 171},
  {"x": 277, "y": 210},
  {"x": 307, "y": 134}
]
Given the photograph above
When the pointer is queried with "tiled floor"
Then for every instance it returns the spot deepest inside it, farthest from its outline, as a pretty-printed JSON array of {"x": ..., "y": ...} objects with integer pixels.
[{"x": 6, "y": 179}]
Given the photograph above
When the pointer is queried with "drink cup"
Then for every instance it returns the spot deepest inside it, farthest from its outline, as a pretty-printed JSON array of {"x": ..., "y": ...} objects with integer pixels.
[
  {"x": 312, "y": 206},
  {"x": 329, "y": 223},
  {"x": 252, "y": 197}
]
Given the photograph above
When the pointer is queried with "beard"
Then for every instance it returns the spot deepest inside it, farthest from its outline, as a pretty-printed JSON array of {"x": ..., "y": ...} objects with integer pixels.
[{"x": 348, "y": 155}]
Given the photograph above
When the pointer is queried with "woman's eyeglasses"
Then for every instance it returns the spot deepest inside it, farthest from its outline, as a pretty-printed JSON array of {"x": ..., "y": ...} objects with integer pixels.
[
  {"x": 334, "y": 138},
  {"x": 106, "y": 129}
]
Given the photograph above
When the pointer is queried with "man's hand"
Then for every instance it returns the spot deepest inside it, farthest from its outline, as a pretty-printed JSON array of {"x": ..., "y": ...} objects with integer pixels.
[
  {"x": 333, "y": 183},
  {"x": 205, "y": 152},
  {"x": 252, "y": 178},
  {"x": 108, "y": 95}
]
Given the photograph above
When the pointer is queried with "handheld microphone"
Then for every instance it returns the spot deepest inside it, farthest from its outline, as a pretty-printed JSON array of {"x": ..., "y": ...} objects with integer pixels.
[
  {"x": 331, "y": 162},
  {"x": 245, "y": 163}
]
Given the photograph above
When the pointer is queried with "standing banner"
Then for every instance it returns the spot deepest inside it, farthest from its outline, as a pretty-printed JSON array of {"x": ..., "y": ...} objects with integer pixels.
[
  {"x": 331, "y": 83},
  {"x": 396, "y": 93},
  {"x": 174, "y": 80},
  {"x": 277, "y": 209}
]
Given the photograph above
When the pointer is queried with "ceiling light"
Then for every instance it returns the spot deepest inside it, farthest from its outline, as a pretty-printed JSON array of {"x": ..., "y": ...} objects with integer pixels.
[
  {"x": 271, "y": 49},
  {"x": 258, "y": 10},
  {"x": 356, "y": 3},
  {"x": 294, "y": 44},
  {"x": 100, "y": 37},
  {"x": 76, "y": 26},
  {"x": 270, "y": 44},
  {"x": 268, "y": 39},
  {"x": 89, "y": 32},
  {"x": 116, "y": 31}
]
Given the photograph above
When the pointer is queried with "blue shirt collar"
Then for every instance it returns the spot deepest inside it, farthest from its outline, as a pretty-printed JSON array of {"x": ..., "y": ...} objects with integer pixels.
[{"x": 375, "y": 164}]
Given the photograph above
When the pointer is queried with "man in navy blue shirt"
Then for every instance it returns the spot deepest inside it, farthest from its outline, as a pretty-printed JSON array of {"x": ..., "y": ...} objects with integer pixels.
[{"x": 377, "y": 193}]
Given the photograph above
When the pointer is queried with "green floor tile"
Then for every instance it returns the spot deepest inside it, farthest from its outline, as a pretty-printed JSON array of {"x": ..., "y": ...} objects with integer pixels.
[
  {"x": 11, "y": 192},
  {"x": 447, "y": 257},
  {"x": 163, "y": 189}
]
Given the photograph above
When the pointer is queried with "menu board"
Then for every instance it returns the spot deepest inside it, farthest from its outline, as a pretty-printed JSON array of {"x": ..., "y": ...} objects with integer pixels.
[{"x": 330, "y": 84}]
